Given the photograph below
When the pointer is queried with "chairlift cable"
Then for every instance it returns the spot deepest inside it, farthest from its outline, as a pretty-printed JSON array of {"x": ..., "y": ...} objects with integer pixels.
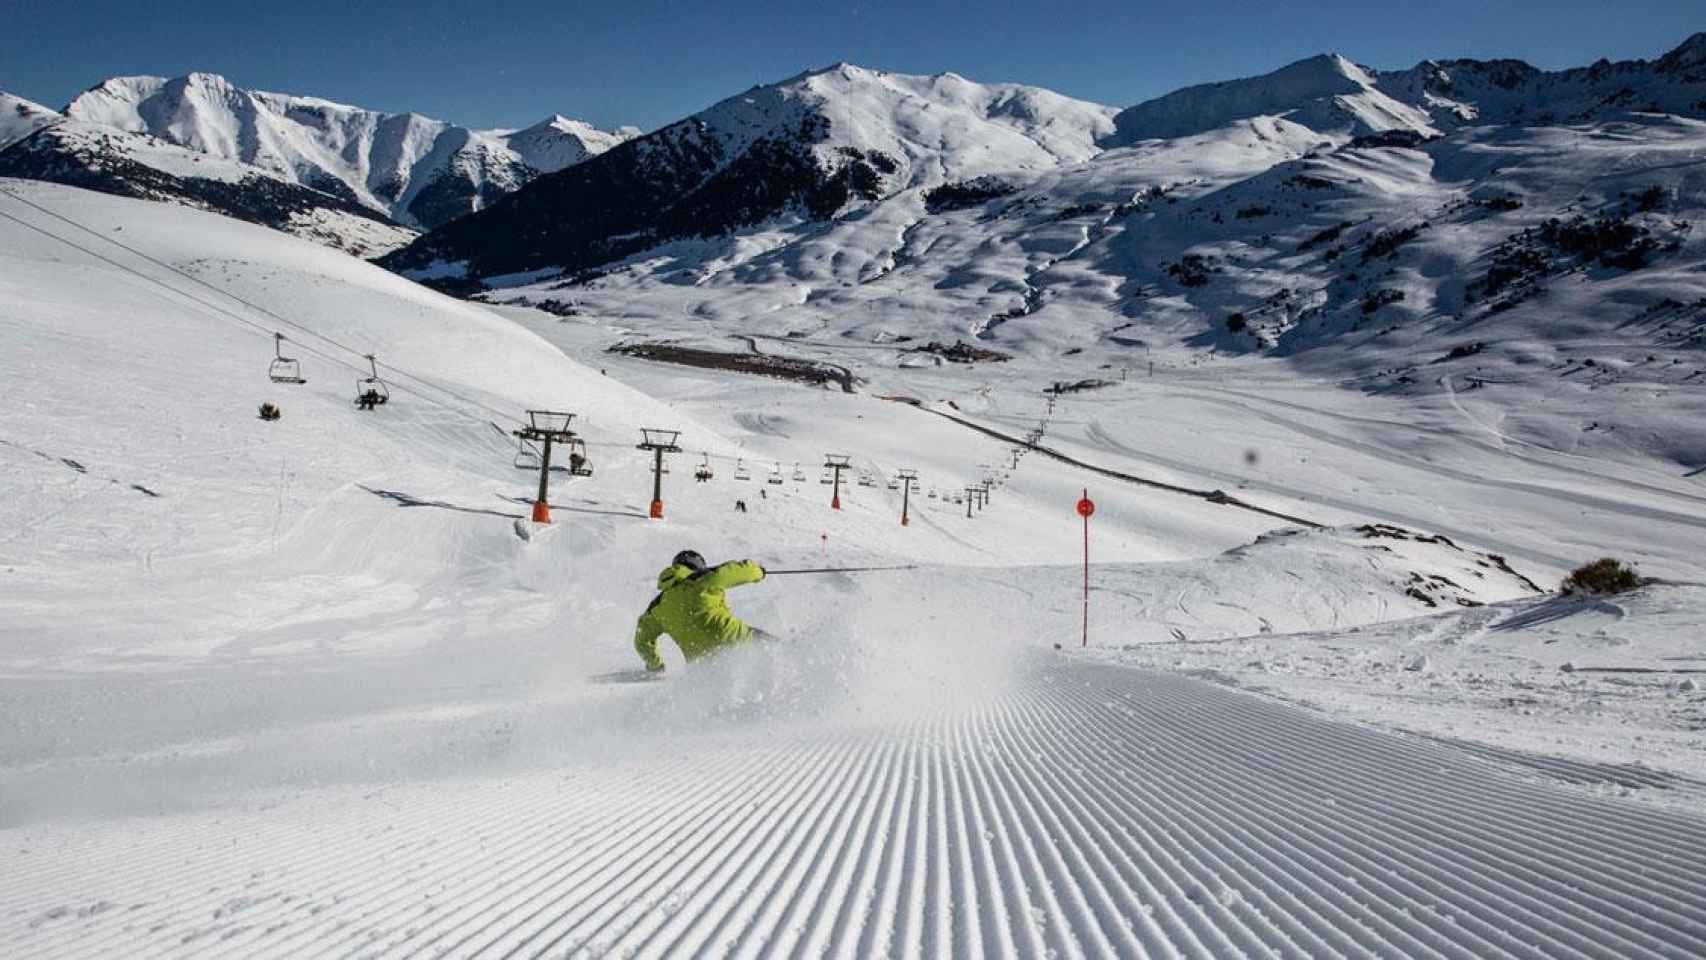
[
  {"x": 226, "y": 293},
  {"x": 218, "y": 312}
]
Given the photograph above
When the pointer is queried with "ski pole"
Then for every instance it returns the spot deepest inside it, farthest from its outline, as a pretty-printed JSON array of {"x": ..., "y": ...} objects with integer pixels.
[{"x": 780, "y": 573}]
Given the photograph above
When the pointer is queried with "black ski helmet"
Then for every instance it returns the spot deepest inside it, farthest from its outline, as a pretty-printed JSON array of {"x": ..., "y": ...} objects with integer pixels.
[{"x": 690, "y": 559}]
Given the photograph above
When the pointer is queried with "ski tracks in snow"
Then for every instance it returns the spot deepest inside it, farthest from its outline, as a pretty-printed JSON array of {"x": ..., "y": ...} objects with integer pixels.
[{"x": 1085, "y": 811}]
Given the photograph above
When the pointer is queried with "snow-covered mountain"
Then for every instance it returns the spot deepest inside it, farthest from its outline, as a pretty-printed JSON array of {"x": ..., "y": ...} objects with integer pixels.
[
  {"x": 1332, "y": 95},
  {"x": 19, "y": 118},
  {"x": 558, "y": 142},
  {"x": 1401, "y": 261},
  {"x": 417, "y": 171},
  {"x": 39, "y": 144},
  {"x": 808, "y": 148},
  {"x": 1326, "y": 93}
]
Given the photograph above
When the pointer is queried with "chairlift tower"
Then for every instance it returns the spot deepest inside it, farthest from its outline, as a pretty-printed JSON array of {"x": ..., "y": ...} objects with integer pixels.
[
  {"x": 546, "y": 427},
  {"x": 971, "y": 498},
  {"x": 907, "y": 479},
  {"x": 659, "y": 442},
  {"x": 837, "y": 462}
]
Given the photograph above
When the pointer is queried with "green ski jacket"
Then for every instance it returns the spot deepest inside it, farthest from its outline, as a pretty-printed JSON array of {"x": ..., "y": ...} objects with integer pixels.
[{"x": 691, "y": 609}]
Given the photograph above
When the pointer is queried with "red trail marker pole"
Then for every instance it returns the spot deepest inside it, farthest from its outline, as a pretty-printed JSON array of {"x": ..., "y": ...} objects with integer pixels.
[{"x": 1086, "y": 507}]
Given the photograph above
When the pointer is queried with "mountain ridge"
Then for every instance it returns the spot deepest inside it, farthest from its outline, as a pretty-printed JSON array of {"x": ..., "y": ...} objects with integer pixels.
[
  {"x": 822, "y": 141},
  {"x": 79, "y": 153},
  {"x": 416, "y": 170},
  {"x": 1333, "y": 95},
  {"x": 834, "y": 141}
]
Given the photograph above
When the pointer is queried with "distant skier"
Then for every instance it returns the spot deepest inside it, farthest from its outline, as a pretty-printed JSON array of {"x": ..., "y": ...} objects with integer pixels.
[{"x": 690, "y": 607}]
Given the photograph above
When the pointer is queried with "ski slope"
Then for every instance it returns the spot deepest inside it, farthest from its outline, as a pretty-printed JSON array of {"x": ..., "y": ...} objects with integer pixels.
[
  {"x": 299, "y": 688},
  {"x": 1068, "y": 811}
]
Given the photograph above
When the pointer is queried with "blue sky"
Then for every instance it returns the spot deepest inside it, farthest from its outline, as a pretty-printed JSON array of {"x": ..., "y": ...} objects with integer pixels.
[{"x": 647, "y": 63}]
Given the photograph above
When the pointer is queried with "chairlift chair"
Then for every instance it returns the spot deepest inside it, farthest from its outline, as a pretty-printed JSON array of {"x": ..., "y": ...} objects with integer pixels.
[
  {"x": 283, "y": 369},
  {"x": 894, "y": 484},
  {"x": 526, "y": 455},
  {"x": 775, "y": 478},
  {"x": 371, "y": 391},
  {"x": 932, "y": 493},
  {"x": 741, "y": 473},
  {"x": 866, "y": 480},
  {"x": 580, "y": 465},
  {"x": 704, "y": 473},
  {"x": 799, "y": 473},
  {"x": 826, "y": 478}
]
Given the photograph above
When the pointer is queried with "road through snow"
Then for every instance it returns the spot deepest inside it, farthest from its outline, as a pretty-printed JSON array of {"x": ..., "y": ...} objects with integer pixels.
[{"x": 1070, "y": 810}]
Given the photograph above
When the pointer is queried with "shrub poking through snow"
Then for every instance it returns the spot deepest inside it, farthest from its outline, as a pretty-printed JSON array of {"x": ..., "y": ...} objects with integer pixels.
[
  {"x": 1380, "y": 298},
  {"x": 270, "y": 411},
  {"x": 1650, "y": 199},
  {"x": 1326, "y": 236},
  {"x": 1613, "y": 242},
  {"x": 1602, "y": 577},
  {"x": 1192, "y": 270},
  {"x": 1461, "y": 351},
  {"x": 1387, "y": 242},
  {"x": 1501, "y": 203},
  {"x": 965, "y": 194}
]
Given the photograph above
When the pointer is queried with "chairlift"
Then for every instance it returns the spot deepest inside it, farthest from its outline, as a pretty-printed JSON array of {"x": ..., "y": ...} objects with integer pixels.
[
  {"x": 703, "y": 474},
  {"x": 959, "y": 499},
  {"x": 775, "y": 478},
  {"x": 741, "y": 472},
  {"x": 371, "y": 391},
  {"x": 799, "y": 473},
  {"x": 894, "y": 484},
  {"x": 526, "y": 455},
  {"x": 283, "y": 369},
  {"x": 932, "y": 493},
  {"x": 866, "y": 480},
  {"x": 580, "y": 464},
  {"x": 826, "y": 478}
]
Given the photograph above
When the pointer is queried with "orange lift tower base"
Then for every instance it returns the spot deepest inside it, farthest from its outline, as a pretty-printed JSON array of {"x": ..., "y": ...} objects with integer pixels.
[{"x": 837, "y": 462}]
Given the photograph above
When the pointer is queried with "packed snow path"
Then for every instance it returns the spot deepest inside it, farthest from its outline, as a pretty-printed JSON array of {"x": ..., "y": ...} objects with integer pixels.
[{"x": 1078, "y": 811}]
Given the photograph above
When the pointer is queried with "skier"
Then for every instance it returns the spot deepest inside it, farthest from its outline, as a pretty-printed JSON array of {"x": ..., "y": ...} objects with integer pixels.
[{"x": 690, "y": 608}]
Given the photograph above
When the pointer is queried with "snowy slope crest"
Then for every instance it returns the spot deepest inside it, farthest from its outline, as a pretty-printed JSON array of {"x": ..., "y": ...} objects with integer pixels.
[
  {"x": 416, "y": 170},
  {"x": 940, "y": 127},
  {"x": 1332, "y": 95},
  {"x": 558, "y": 142},
  {"x": 19, "y": 118},
  {"x": 1327, "y": 93},
  {"x": 1457, "y": 92},
  {"x": 903, "y": 130},
  {"x": 98, "y": 157},
  {"x": 195, "y": 369}
]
